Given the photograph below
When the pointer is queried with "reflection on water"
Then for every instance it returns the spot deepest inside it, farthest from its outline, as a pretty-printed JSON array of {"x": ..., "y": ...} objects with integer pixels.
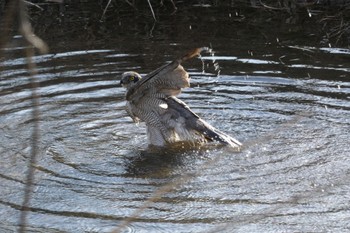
[{"x": 290, "y": 108}]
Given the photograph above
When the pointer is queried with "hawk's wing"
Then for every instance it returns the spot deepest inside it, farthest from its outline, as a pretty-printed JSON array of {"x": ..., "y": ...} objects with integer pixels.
[
  {"x": 167, "y": 80},
  {"x": 185, "y": 122}
]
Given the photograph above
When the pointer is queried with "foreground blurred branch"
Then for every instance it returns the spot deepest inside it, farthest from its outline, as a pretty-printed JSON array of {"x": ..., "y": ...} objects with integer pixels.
[
  {"x": 16, "y": 9},
  {"x": 26, "y": 30}
]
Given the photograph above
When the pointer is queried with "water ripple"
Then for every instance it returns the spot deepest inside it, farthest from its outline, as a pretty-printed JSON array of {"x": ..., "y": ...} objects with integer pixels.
[{"x": 94, "y": 170}]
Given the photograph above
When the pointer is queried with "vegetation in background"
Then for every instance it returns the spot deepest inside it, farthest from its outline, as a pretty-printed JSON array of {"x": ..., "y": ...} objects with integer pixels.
[{"x": 327, "y": 20}]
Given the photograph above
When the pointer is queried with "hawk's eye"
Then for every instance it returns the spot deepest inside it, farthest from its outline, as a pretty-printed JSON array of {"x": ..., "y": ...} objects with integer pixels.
[{"x": 131, "y": 78}]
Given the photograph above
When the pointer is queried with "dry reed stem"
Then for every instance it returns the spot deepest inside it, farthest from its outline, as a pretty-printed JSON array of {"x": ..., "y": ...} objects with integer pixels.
[
  {"x": 29, "y": 183},
  {"x": 33, "y": 42}
]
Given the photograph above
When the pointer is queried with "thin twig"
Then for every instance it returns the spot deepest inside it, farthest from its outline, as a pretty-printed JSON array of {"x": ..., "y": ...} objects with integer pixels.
[
  {"x": 105, "y": 10},
  {"x": 130, "y": 4},
  {"x": 33, "y": 4},
  {"x": 175, "y": 8},
  {"x": 270, "y": 7},
  {"x": 150, "y": 6}
]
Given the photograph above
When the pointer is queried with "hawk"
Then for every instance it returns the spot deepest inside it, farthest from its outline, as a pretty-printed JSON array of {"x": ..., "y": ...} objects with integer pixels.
[{"x": 152, "y": 99}]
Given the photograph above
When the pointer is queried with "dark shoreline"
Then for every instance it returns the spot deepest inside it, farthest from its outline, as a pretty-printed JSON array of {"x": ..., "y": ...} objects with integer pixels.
[{"x": 327, "y": 22}]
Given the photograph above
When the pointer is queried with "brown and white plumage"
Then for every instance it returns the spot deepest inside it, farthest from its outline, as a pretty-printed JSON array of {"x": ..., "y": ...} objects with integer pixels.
[{"x": 151, "y": 99}]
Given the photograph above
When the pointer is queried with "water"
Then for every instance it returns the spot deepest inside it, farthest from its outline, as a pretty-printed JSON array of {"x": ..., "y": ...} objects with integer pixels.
[{"x": 289, "y": 105}]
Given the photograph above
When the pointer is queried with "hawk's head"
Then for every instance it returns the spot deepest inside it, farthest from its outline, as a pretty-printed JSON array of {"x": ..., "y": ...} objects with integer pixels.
[{"x": 129, "y": 79}]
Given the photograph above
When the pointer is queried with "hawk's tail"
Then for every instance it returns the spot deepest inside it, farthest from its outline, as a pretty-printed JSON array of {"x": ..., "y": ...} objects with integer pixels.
[
  {"x": 193, "y": 53},
  {"x": 179, "y": 112},
  {"x": 213, "y": 134}
]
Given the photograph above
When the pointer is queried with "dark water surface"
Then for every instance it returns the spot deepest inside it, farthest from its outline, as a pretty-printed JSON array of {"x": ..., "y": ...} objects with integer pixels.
[{"x": 288, "y": 102}]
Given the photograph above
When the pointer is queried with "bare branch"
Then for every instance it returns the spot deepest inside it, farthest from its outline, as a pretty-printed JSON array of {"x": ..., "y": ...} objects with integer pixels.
[
  {"x": 35, "y": 42},
  {"x": 150, "y": 6},
  {"x": 105, "y": 10}
]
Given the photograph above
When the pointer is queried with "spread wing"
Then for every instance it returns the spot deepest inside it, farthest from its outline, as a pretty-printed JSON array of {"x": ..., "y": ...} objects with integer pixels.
[
  {"x": 168, "y": 119},
  {"x": 166, "y": 80}
]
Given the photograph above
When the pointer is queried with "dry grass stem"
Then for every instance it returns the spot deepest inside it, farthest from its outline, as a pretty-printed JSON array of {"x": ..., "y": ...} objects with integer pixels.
[
  {"x": 150, "y": 6},
  {"x": 105, "y": 10},
  {"x": 34, "y": 42}
]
